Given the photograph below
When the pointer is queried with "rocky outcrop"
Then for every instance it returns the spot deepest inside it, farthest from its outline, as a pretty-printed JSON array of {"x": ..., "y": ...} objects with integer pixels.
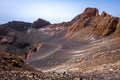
[
  {"x": 99, "y": 25},
  {"x": 81, "y": 21},
  {"x": 117, "y": 31},
  {"x": 104, "y": 25},
  {"x": 88, "y": 12},
  {"x": 11, "y": 62},
  {"x": 40, "y": 23},
  {"x": 91, "y": 12},
  {"x": 32, "y": 50}
]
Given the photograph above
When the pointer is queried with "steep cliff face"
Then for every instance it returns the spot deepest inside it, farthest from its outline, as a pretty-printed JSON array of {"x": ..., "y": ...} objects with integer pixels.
[
  {"x": 105, "y": 24},
  {"x": 92, "y": 23},
  {"x": 88, "y": 12},
  {"x": 117, "y": 31}
]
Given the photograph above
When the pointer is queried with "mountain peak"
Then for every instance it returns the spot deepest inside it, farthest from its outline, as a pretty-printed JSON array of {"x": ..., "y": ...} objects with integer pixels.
[
  {"x": 91, "y": 11},
  {"x": 40, "y": 23},
  {"x": 103, "y": 14},
  {"x": 88, "y": 12},
  {"x": 92, "y": 23}
]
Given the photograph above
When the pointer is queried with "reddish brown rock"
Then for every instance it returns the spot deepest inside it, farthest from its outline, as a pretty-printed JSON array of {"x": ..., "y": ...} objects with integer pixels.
[
  {"x": 103, "y": 14},
  {"x": 117, "y": 31},
  {"x": 33, "y": 49},
  {"x": 99, "y": 25},
  {"x": 89, "y": 12}
]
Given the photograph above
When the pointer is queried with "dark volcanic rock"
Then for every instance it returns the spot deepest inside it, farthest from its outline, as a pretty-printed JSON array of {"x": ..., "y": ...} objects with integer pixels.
[
  {"x": 40, "y": 23},
  {"x": 4, "y": 32},
  {"x": 17, "y": 25}
]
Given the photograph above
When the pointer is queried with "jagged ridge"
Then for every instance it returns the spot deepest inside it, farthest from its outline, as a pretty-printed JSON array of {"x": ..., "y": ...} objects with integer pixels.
[{"x": 99, "y": 25}]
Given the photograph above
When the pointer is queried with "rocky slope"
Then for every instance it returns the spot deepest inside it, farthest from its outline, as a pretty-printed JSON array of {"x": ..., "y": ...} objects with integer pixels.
[
  {"x": 93, "y": 25},
  {"x": 14, "y": 68},
  {"x": 84, "y": 48}
]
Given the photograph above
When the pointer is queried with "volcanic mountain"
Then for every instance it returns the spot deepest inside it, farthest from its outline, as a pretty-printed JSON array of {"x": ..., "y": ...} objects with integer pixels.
[
  {"x": 88, "y": 44},
  {"x": 93, "y": 25}
]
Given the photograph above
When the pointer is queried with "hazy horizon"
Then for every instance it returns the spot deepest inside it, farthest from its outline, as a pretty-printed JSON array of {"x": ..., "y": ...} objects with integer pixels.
[{"x": 54, "y": 11}]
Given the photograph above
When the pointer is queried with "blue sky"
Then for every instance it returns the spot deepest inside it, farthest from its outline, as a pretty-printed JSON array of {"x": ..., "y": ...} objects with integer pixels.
[{"x": 55, "y": 11}]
